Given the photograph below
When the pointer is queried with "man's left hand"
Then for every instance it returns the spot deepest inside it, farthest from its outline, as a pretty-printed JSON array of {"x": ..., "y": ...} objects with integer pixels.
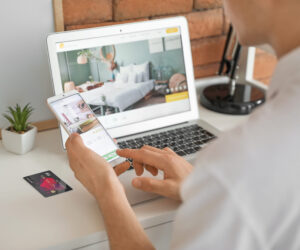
[{"x": 93, "y": 171}]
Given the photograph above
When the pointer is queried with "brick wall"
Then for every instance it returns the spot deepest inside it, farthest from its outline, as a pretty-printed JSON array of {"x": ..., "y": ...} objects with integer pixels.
[{"x": 207, "y": 24}]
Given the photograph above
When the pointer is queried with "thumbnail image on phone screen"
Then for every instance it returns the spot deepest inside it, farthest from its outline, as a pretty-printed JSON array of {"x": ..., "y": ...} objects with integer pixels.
[{"x": 77, "y": 117}]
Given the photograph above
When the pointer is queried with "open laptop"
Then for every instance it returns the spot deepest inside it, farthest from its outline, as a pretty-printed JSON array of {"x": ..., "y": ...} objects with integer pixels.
[{"x": 138, "y": 79}]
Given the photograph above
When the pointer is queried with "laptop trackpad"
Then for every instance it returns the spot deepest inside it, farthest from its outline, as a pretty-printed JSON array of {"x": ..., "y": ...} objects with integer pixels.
[{"x": 134, "y": 195}]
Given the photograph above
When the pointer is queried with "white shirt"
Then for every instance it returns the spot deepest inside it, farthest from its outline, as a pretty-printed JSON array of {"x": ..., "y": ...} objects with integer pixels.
[{"x": 244, "y": 192}]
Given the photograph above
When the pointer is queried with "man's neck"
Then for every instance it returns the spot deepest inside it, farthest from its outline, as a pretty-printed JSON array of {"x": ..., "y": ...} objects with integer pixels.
[
  {"x": 286, "y": 35},
  {"x": 286, "y": 45}
]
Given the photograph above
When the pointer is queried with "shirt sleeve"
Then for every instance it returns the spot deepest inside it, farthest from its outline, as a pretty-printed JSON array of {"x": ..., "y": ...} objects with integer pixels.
[
  {"x": 219, "y": 199},
  {"x": 244, "y": 191},
  {"x": 209, "y": 218}
]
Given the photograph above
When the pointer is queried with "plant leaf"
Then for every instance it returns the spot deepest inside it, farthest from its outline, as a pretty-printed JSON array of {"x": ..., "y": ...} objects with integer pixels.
[
  {"x": 19, "y": 117},
  {"x": 10, "y": 119}
]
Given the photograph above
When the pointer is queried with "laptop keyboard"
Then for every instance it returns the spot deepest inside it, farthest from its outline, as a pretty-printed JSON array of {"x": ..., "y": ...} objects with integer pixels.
[{"x": 183, "y": 141}]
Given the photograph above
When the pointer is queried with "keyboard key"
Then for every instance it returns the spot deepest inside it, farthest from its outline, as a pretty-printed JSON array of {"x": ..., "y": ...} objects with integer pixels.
[
  {"x": 183, "y": 141},
  {"x": 189, "y": 151},
  {"x": 181, "y": 153}
]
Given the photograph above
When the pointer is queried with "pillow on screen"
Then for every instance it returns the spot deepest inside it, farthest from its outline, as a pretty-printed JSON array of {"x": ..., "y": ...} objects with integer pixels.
[
  {"x": 132, "y": 77},
  {"x": 126, "y": 69},
  {"x": 139, "y": 77},
  {"x": 119, "y": 77},
  {"x": 144, "y": 69},
  {"x": 124, "y": 72},
  {"x": 124, "y": 77}
]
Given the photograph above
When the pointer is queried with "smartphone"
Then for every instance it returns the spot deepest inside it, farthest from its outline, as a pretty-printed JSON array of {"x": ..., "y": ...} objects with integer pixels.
[{"x": 76, "y": 116}]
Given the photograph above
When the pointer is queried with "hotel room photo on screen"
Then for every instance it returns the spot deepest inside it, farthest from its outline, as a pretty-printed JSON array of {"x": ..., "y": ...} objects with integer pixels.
[{"x": 126, "y": 76}]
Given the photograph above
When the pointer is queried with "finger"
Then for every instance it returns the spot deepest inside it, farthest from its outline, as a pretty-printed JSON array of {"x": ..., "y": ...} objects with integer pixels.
[
  {"x": 169, "y": 150},
  {"x": 144, "y": 156},
  {"x": 152, "y": 170},
  {"x": 153, "y": 149},
  {"x": 73, "y": 162},
  {"x": 75, "y": 143},
  {"x": 115, "y": 141},
  {"x": 122, "y": 167},
  {"x": 149, "y": 185},
  {"x": 77, "y": 147},
  {"x": 138, "y": 167}
]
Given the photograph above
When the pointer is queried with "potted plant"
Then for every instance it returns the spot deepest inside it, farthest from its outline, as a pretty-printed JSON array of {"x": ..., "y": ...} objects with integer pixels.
[
  {"x": 19, "y": 137},
  {"x": 83, "y": 56}
]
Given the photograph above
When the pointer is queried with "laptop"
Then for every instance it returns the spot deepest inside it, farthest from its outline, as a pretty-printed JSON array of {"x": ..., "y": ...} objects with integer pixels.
[{"x": 138, "y": 79}]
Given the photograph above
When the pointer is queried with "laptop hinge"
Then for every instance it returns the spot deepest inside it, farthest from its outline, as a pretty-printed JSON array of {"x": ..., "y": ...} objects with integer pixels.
[{"x": 152, "y": 130}]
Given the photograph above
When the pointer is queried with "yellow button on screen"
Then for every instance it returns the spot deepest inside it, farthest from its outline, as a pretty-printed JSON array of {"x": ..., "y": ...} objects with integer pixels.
[
  {"x": 61, "y": 45},
  {"x": 172, "y": 30},
  {"x": 177, "y": 96}
]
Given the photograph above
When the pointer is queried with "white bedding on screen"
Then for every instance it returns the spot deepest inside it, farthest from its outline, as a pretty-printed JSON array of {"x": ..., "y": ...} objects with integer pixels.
[{"x": 118, "y": 94}]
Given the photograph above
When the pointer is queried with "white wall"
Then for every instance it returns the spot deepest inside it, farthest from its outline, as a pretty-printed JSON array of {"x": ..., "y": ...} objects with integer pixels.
[{"x": 24, "y": 70}]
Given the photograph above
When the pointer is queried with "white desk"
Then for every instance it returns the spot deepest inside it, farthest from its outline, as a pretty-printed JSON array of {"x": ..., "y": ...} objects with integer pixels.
[{"x": 70, "y": 220}]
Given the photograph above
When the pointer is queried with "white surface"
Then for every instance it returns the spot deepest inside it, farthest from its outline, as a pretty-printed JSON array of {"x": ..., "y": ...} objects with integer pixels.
[
  {"x": 156, "y": 45},
  {"x": 172, "y": 42},
  {"x": 24, "y": 68},
  {"x": 19, "y": 143},
  {"x": 70, "y": 219},
  {"x": 154, "y": 233}
]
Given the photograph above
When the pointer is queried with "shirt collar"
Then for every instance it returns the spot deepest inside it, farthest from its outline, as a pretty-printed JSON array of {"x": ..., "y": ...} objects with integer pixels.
[{"x": 287, "y": 69}]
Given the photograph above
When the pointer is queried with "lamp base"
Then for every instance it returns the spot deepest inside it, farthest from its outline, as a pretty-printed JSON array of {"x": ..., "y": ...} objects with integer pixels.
[{"x": 244, "y": 100}]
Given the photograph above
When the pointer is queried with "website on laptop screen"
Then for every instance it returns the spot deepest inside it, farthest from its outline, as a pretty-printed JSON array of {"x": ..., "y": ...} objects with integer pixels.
[{"x": 127, "y": 78}]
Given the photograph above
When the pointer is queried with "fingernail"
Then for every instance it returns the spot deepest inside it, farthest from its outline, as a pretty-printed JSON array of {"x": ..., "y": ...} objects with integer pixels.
[{"x": 137, "y": 183}]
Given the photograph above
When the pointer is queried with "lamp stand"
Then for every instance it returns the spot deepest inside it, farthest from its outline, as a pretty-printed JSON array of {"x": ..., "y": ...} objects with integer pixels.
[{"x": 241, "y": 95}]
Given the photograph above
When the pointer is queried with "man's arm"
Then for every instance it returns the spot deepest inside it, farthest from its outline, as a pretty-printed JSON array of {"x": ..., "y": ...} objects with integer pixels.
[{"x": 123, "y": 229}]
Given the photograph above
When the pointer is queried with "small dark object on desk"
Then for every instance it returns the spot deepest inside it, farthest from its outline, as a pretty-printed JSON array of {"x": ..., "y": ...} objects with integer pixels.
[
  {"x": 242, "y": 102},
  {"x": 232, "y": 98}
]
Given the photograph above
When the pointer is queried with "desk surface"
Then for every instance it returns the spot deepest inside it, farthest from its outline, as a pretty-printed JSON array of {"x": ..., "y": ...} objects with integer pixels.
[{"x": 29, "y": 220}]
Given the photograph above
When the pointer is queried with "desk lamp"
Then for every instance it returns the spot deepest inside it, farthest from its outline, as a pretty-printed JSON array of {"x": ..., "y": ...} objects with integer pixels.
[{"x": 241, "y": 94}]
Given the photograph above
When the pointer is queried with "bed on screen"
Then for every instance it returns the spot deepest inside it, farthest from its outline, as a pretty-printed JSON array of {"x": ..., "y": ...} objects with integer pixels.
[
  {"x": 118, "y": 94},
  {"x": 132, "y": 84}
]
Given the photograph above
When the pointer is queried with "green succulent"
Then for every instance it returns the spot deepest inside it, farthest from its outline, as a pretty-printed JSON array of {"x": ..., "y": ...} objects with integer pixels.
[{"x": 18, "y": 117}]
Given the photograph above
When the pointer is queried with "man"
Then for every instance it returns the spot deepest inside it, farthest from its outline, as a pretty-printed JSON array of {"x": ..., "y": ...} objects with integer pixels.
[{"x": 244, "y": 190}]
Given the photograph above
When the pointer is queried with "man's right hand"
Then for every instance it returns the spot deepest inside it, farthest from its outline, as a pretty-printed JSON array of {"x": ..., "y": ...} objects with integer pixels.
[{"x": 175, "y": 169}]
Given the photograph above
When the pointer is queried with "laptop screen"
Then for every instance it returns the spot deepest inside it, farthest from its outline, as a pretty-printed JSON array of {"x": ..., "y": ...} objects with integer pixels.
[{"x": 127, "y": 78}]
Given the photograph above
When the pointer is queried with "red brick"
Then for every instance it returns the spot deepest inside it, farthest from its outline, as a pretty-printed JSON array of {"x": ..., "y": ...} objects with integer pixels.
[
  {"x": 94, "y": 25},
  {"x": 265, "y": 64},
  {"x": 128, "y": 9},
  {"x": 226, "y": 23},
  {"x": 206, "y": 70},
  {"x": 86, "y": 11},
  {"x": 265, "y": 81},
  {"x": 205, "y": 23},
  {"x": 207, "y": 51},
  {"x": 207, "y": 4}
]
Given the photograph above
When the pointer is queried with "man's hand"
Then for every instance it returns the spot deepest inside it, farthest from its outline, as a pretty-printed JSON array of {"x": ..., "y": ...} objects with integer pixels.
[
  {"x": 91, "y": 169},
  {"x": 175, "y": 169}
]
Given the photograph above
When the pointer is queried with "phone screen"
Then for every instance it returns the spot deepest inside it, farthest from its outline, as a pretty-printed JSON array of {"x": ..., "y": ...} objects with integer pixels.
[{"x": 77, "y": 117}]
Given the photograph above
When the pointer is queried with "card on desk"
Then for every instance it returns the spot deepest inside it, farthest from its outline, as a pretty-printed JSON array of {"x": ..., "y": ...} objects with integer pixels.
[{"x": 47, "y": 183}]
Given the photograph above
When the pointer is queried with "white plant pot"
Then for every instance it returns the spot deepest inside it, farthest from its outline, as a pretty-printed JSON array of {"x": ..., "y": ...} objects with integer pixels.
[
  {"x": 82, "y": 59},
  {"x": 19, "y": 143}
]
